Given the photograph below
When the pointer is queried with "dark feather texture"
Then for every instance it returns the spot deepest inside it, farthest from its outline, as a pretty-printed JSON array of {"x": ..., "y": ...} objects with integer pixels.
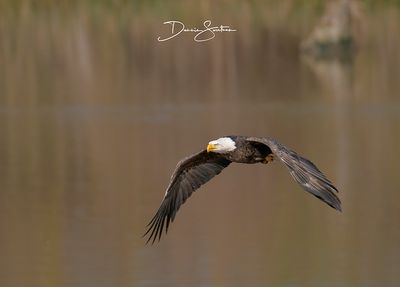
[
  {"x": 189, "y": 175},
  {"x": 304, "y": 172}
]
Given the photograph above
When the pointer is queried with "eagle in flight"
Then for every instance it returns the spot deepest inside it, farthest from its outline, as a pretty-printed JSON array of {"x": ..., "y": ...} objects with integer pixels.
[{"x": 197, "y": 169}]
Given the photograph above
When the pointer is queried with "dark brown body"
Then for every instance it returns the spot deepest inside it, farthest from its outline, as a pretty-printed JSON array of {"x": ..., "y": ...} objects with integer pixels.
[{"x": 247, "y": 152}]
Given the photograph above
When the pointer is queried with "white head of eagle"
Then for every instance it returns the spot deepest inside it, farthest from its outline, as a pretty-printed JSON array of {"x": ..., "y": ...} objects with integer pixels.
[{"x": 221, "y": 145}]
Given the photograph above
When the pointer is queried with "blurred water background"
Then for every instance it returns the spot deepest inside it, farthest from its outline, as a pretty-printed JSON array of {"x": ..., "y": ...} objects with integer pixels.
[{"x": 95, "y": 114}]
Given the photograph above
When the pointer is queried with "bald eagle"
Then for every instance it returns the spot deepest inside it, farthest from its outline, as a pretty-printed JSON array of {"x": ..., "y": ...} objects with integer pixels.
[{"x": 197, "y": 169}]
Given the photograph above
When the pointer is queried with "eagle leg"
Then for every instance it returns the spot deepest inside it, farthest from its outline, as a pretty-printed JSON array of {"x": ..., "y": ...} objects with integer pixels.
[{"x": 268, "y": 158}]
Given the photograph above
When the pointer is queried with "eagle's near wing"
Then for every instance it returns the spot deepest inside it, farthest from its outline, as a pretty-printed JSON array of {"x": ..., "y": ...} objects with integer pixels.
[
  {"x": 304, "y": 172},
  {"x": 189, "y": 175}
]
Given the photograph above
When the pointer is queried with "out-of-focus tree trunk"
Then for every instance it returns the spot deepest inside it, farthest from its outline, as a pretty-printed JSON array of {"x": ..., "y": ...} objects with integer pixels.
[{"x": 333, "y": 35}]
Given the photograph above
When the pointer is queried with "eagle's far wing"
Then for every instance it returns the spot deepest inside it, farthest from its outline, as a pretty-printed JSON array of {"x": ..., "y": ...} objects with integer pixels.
[
  {"x": 189, "y": 175},
  {"x": 304, "y": 172}
]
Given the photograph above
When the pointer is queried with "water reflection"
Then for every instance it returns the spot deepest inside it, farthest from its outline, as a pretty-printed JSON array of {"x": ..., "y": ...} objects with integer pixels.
[{"x": 94, "y": 121}]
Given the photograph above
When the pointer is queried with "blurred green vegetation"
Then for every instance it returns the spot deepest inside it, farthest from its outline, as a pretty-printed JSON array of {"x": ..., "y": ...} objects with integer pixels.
[
  {"x": 96, "y": 51},
  {"x": 158, "y": 6},
  {"x": 292, "y": 12}
]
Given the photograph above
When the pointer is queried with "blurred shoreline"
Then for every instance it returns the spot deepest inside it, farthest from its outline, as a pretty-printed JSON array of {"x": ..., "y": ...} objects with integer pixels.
[{"x": 76, "y": 52}]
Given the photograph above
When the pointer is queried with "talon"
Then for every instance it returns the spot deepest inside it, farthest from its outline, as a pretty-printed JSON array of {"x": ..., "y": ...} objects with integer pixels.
[{"x": 268, "y": 158}]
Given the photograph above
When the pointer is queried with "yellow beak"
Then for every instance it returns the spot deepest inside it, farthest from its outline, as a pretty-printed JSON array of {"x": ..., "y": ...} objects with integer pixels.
[{"x": 210, "y": 147}]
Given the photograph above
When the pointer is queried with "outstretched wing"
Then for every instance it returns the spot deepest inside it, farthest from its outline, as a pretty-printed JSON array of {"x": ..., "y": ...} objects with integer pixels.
[
  {"x": 189, "y": 175},
  {"x": 304, "y": 172}
]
